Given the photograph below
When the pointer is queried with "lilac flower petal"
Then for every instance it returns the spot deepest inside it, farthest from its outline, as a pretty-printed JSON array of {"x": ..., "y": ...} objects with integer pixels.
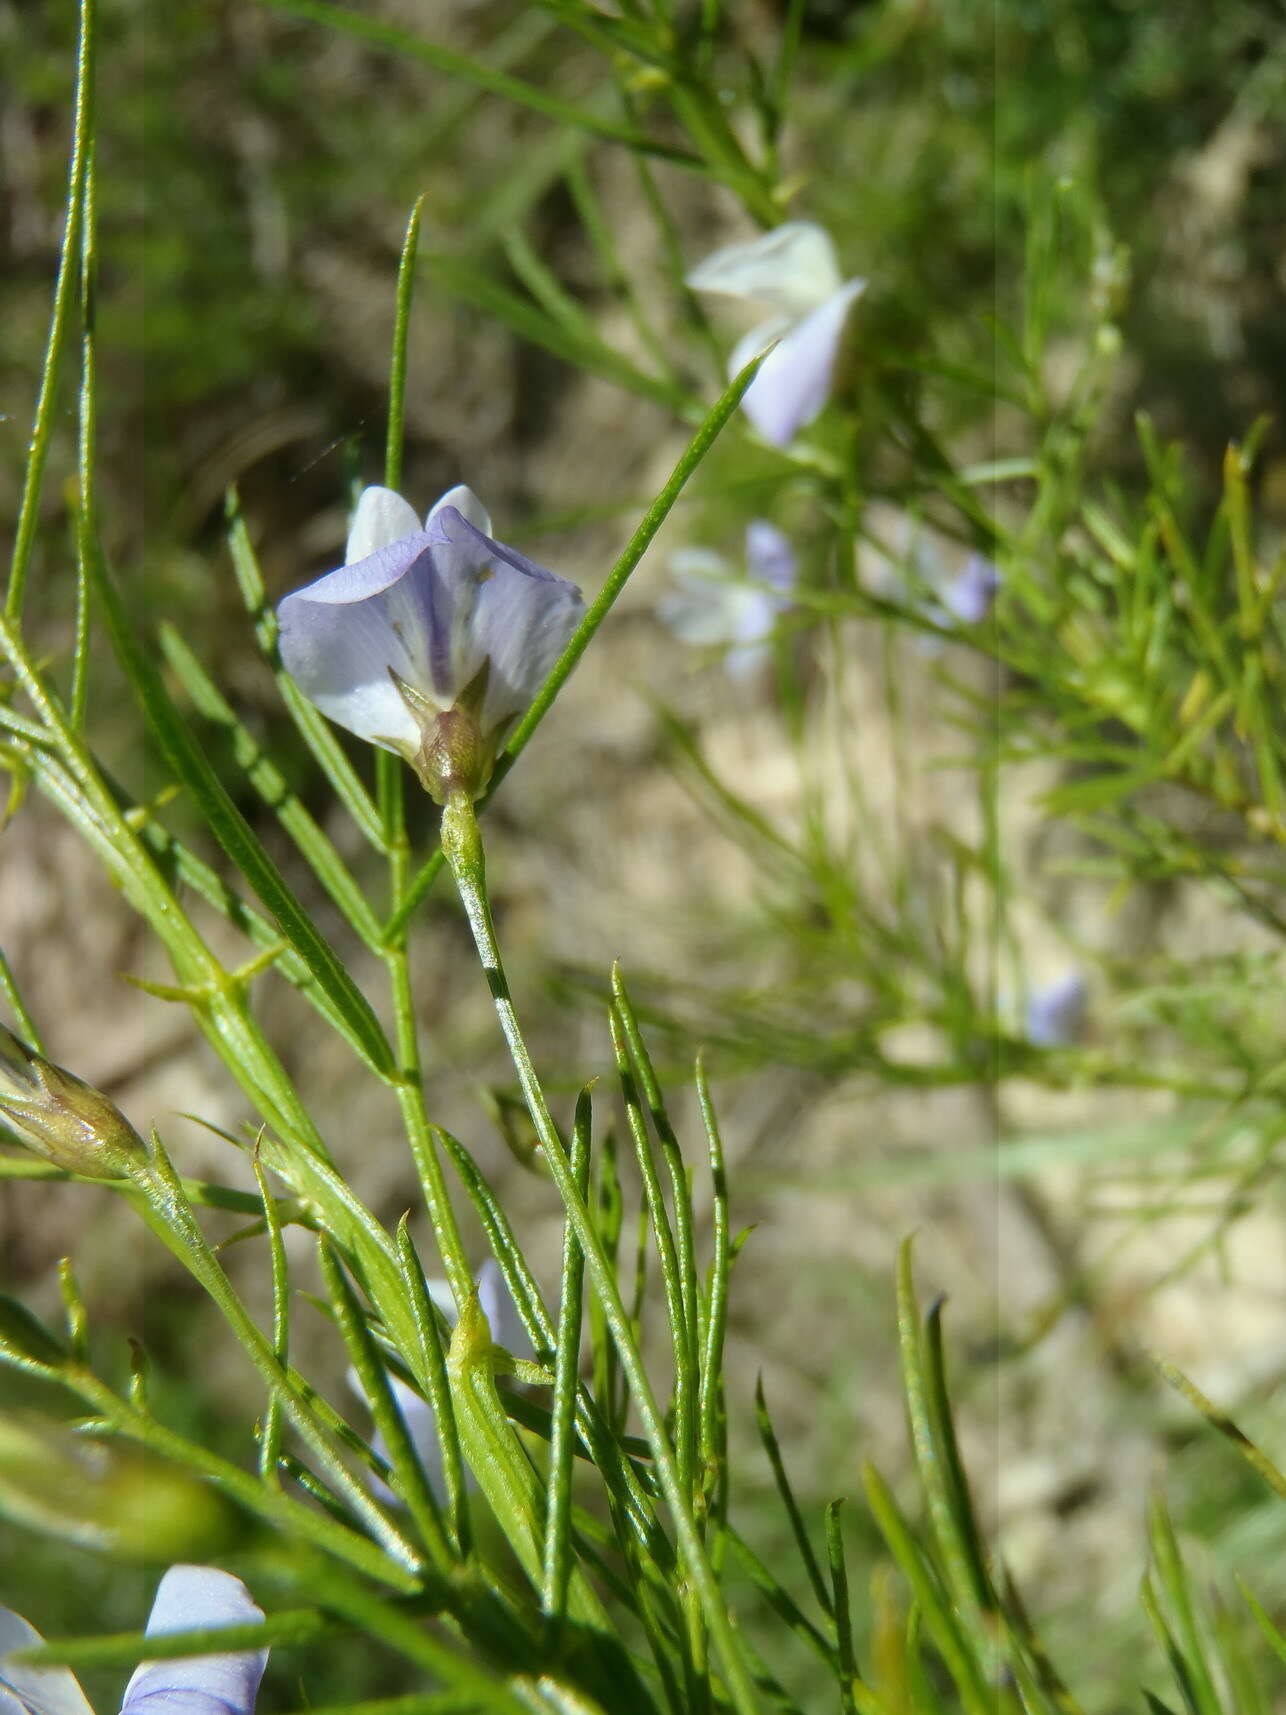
[
  {"x": 191, "y": 1598},
  {"x": 770, "y": 558},
  {"x": 707, "y": 606},
  {"x": 754, "y": 617},
  {"x": 1056, "y": 1014},
  {"x": 751, "y": 344},
  {"x": 34, "y": 1690},
  {"x": 504, "y": 610},
  {"x": 794, "y": 380},
  {"x": 380, "y": 518},
  {"x": 341, "y": 634},
  {"x": 791, "y": 269},
  {"x": 706, "y": 611},
  {"x": 466, "y": 504},
  {"x": 498, "y": 1307},
  {"x": 428, "y": 610},
  {"x": 971, "y": 594},
  {"x": 422, "y": 1427}
]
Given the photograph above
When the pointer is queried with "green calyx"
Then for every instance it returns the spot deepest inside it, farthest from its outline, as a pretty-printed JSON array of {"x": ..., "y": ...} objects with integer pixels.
[{"x": 62, "y": 1117}]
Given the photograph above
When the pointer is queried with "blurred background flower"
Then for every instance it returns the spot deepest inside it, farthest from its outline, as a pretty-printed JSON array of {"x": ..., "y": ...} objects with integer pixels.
[
  {"x": 1057, "y": 1013},
  {"x": 792, "y": 272},
  {"x": 711, "y": 606}
]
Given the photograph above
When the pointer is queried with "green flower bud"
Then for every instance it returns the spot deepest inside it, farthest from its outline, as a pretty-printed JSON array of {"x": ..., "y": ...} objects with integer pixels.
[{"x": 62, "y": 1117}]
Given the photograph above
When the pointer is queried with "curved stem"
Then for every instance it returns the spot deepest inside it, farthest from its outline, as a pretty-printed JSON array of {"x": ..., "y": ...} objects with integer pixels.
[
  {"x": 410, "y": 1086},
  {"x": 462, "y": 844}
]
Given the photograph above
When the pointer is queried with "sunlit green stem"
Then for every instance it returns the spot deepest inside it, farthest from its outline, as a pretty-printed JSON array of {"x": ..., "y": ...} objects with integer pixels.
[
  {"x": 64, "y": 298},
  {"x": 462, "y": 844},
  {"x": 390, "y": 785},
  {"x": 296, "y": 1522},
  {"x": 172, "y": 1218},
  {"x": 410, "y": 1088},
  {"x": 68, "y": 773}
]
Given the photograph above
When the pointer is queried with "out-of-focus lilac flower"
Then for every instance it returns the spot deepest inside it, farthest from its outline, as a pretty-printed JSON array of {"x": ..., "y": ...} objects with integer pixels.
[
  {"x": 417, "y": 1414},
  {"x": 1057, "y": 1013},
  {"x": 971, "y": 594},
  {"x": 429, "y": 640},
  {"x": 791, "y": 272},
  {"x": 709, "y": 606},
  {"x": 188, "y": 1599},
  {"x": 900, "y": 556},
  {"x": 904, "y": 560}
]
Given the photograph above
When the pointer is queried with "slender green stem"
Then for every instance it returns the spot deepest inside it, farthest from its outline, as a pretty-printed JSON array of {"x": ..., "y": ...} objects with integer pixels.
[
  {"x": 711, "y": 1436},
  {"x": 9, "y": 985},
  {"x": 406, "y": 1634},
  {"x": 69, "y": 268},
  {"x": 463, "y": 846},
  {"x": 847, "y": 1663},
  {"x": 680, "y": 1312},
  {"x": 689, "y": 1356},
  {"x": 270, "y": 1436},
  {"x": 676, "y": 1310},
  {"x": 460, "y": 68},
  {"x": 558, "y": 1545},
  {"x": 174, "y": 1222},
  {"x": 297, "y": 1523},
  {"x": 87, "y": 428},
  {"x": 390, "y": 796},
  {"x": 432, "y": 1372},
  {"x": 409, "y": 1474},
  {"x": 410, "y": 1098},
  {"x": 401, "y": 336}
]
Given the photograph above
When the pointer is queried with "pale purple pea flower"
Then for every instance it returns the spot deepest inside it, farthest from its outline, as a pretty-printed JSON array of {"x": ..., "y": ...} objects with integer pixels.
[
  {"x": 902, "y": 559},
  {"x": 711, "y": 607},
  {"x": 188, "y": 1599},
  {"x": 417, "y": 1414},
  {"x": 971, "y": 594},
  {"x": 430, "y": 640},
  {"x": 1058, "y": 1012},
  {"x": 793, "y": 273}
]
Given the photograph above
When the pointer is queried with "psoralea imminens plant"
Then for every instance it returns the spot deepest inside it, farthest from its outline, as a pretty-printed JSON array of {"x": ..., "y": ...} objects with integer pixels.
[{"x": 540, "y": 1505}]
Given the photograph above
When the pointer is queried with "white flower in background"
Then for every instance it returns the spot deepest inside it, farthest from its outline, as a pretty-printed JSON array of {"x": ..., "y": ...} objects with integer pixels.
[
  {"x": 1058, "y": 1012},
  {"x": 430, "y": 640},
  {"x": 417, "y": 1414},
  {"x": 188, "y": 1599},
  {"x": 711, "y": 607},
  {"x": 793, "y": 274}
]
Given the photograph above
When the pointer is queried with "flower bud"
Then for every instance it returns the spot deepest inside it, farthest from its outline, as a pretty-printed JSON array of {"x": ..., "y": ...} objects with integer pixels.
[{"x": 62, "y": 1117}]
